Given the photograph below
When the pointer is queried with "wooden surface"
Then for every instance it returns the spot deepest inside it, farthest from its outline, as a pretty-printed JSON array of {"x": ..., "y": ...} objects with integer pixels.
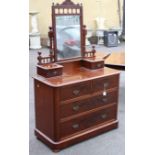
[
  {"x": 73, "y": 75},
  {"x": 116, "y": 59}
]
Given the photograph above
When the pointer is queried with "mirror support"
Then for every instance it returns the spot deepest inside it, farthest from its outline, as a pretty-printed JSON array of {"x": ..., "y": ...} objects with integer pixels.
[
  {"x": 51, "y": 39},
  {"x": 84, "y": 33}
]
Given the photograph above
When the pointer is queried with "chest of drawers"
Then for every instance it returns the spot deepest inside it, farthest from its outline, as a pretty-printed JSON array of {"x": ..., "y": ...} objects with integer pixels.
[{"x": 75, "y": 106}]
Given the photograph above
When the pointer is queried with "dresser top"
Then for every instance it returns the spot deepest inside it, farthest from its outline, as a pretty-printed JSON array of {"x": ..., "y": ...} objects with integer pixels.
[{"x": 76, "y": 75}]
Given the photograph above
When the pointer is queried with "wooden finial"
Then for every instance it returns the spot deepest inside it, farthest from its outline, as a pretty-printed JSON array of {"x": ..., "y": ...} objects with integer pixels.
[
  {"x": 39, "y": 53},
  {"x": 50, "y": 33},
  {"x": 39, "y": 58},
  {"x": 93, "y": 47},
  {"x": 93, "y": 50}
]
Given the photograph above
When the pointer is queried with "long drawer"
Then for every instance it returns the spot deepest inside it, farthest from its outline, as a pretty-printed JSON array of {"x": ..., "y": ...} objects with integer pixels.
[
  {"x": 88, "y": 104},
  {"x": 78, "y": 124}
]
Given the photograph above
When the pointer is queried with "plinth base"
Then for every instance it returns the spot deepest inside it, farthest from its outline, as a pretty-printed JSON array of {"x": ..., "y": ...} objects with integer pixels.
[{"x": 68, "y": 141}]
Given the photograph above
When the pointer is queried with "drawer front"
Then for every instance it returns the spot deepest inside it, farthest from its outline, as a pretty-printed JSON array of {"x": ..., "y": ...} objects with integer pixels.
[
  {"x": 88, "y": 104},
  {"x": 97, "y": 65},
  {"x": 75, "y": 90},
  {"x": 90, "y": 120},
  {"x": 54, "y": 72},
  {"x": 93, "y": 65},
  {"x": 105, "y": 83},
  {"x": 49, "y": 73}
]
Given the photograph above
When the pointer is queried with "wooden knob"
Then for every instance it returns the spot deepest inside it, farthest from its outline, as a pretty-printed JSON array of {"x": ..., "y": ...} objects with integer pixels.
[
  {"x": 75, "y": 126},
  {"x": 55, "y": 72},
  {"x": 76, "y": 92},
  {"x": 104, "y": 99},
  {"x": 103, "y": 116},
  {"x": 106, "y": 85},
  {"x": 76, "y": 107},
  {"x": 99, "y": 65}
]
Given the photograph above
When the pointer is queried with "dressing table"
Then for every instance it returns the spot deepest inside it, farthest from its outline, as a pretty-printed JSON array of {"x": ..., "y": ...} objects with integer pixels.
[{"x": 76, "y": 96}]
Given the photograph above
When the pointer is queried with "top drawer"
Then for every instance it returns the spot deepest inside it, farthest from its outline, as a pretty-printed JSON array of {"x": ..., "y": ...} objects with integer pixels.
[
  {"x": 75, "y": 90},
  {"x": 105, "y": 83}
]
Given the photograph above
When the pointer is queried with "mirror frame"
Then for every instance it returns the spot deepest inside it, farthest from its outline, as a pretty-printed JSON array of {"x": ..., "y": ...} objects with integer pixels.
[{"x": 64, "y": 9}]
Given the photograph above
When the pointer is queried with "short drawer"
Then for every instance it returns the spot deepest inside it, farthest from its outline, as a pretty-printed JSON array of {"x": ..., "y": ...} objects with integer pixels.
[
  {"x": 93, "y": 65},
  {"x": 88, "y": 104},
  {"x": 49, "y": 72},
  {"x": 90, "y": 120},
  {"x": 105, "y": 83},
  {"x": 75, "y": 90}
]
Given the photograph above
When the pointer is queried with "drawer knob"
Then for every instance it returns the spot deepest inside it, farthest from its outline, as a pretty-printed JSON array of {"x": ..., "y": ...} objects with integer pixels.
[
  {"x": 75, "y": 126},
  {"x": 99, "y": 65},
  {"x": 76, "y": 107},
  {"x": 76, "y": 92},
  {"x": 106, "y": 85},
  {"x": 104, "y": 99},
  {"x": 38, "y": 85},
  {"x": 55, "y": 72},
  {"x": 103, "y": 116}
]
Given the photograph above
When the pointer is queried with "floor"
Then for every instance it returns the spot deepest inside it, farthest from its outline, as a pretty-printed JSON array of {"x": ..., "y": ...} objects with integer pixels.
[{"x": 110, "y": 143}]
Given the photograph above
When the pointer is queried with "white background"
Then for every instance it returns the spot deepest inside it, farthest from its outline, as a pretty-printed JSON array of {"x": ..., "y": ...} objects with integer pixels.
[{"x": 140, "y": 77}]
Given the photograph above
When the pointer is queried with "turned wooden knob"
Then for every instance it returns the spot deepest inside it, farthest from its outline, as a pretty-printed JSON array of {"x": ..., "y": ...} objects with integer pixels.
[
  {"x": 55, "y": 72},
  {"x": 76, "y": 92},
  {"x": 104, "y": 99},
  {"x": 39, "y": 58},
  {"x": 75, "y": 126},
  {"x": 106, "y": 85},
  {"x": 103, "y": 116},
  {"x": 99, "y": 65},
  {"x": 76, "y": 107}
]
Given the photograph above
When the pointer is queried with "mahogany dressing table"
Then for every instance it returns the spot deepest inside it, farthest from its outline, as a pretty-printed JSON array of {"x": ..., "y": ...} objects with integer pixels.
[{"x": 76, "y": 96}]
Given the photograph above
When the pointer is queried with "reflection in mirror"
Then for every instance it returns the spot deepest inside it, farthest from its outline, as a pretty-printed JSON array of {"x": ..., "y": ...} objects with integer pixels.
[{"x": 68, "y": 37}]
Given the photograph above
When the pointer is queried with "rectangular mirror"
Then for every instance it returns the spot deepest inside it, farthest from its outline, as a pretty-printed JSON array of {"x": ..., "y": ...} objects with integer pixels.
[{"x": 68, "y": 36}]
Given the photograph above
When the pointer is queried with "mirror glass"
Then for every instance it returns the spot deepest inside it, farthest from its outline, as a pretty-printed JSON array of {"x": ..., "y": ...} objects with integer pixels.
[{"x": 68, "y": 37}]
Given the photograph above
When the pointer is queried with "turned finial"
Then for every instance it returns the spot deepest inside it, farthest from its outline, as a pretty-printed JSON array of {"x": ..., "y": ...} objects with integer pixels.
[
  {"x": 39, "y": 58},
  {"x": 93, "y": 50},
  {"x": 50, "y": 33}
]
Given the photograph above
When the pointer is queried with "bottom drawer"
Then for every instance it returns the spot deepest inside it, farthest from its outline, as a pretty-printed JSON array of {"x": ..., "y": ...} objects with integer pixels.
[{"x": 90, "y": 120}]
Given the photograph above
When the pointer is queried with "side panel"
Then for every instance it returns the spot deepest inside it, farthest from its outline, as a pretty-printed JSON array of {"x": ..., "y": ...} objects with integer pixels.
[{"x": 44, "y": 109}]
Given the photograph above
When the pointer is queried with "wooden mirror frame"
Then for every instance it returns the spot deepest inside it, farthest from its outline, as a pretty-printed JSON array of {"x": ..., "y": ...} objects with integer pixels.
[
  {"x": 66, "y": 5},
  {"x": 48, "y": 66}
]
